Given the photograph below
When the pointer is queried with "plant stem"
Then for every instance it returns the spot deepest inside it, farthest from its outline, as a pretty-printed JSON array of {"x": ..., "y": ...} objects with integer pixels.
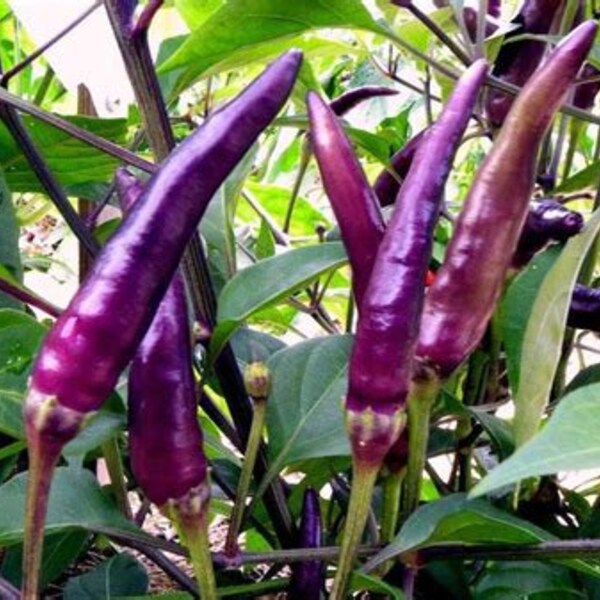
[
  {"x": 305, "y": 155},
  {"x": 51, "y": 186},
  {"x": 194, "y": 531},
  {"x": 28, "y": 297},
  {"x": 76, "y": 132},
  {"x": 363, "y": 482},
  {"x": 420, "y": 400},
  {"x": 392, "y": 487},
  {"x": 43, "y": 458},
  {"x": 252, "y": 447},
  {"x": 114, "y": 464}
]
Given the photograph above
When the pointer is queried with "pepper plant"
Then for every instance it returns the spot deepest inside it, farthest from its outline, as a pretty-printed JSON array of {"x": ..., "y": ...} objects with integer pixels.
[{"x": 334, "y": 301}]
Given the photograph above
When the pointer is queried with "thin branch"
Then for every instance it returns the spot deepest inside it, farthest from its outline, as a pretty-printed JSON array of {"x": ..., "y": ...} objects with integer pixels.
[
  {"x": 39, "y": 51},
  {"x": 28, "y": 297},
  {"x": 77, "y": 132}
]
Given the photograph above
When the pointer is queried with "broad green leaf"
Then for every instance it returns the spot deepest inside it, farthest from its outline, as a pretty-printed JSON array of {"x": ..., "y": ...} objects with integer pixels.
[
  {"x": 70, "y": 160},
  {"x": 526, "y": 580},
  {"x": 361, "y": 581},
  {"x": 194, "y": 13},
  {"x": 120, "y": 576},
  {"x": 104, "y": 425},
  {"x": 240, "y": 26},
  {"x": 10, "y": 257},
  {"x": 304, "y": 413},
  {"x": 20, "y": 337},
  {"x": 587, "y": 178},
  {"x": 76, "y": 502},
  {"x": 568, "y": 442},
  {"x": 545, "y": 330},
  {"x": 60, "y": 551},
  {"x": 217, "y": 223},
  {"x": 250, "y": 345},
  {"x": 517, "y": 306},
  {"x": 583, "y": 378},
  {"x": 457, "y": 519},
  {"x": 275, "y": 200},
  {"x": 265, "y": 244},
  {"x": 268, "y": 281}
]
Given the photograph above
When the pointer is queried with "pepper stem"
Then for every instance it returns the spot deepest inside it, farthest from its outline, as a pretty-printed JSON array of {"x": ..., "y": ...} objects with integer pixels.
[
  {"x": 363, "y": 482},
  {"x": 392, "y": 487},
  {"x": 254, "y": 442},
  {"x": 420, "y": 400},
  {"x": 193, "y": 530},
  {"x": 43, "y": 458}
]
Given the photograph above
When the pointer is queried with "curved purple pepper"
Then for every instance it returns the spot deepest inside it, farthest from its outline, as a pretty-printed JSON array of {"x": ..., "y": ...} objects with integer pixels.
[
  {"x": 494, "y": 8},
  {"x": 352, "y": 98},
  {"x": 467, "y": 287},
  {"x": 547, "y": 221},
  {"x": 381, "y": 361},
  {"x": 165, "y": 440},
  {"x": 584, "y": 311},
  {"x": 353, "y": 202},
  {"x": 96, "y": 336},
  {"x": 517, "y": 61},
  {"x": 386, "y": 186},
  {"x": 585, "y": 93},
  {"x": 308, "y": 577}
]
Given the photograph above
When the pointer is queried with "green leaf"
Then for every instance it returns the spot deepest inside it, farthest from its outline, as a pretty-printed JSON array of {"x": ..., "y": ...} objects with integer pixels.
[
  {"x": 304, "y": 413},
  {"x": 360, "y": 581},
  {"x": 76, "y": 502},
  {"x": 60, "y": 551},
  {"x": 526, "y": 580},
  {"x": 10, "y": 257},
  {"x": 545, "y": 330},
  {"x": 457, "y": 519},
  {"x": 517, "y": 307},
  {"x": 104, "y": 425},
  {"x": 587, "y": 178},
  {"x": 240, "y": 27},
  {"x": 194, "y": 13},
  {"x": 70, "y": 160},
  {"x": 583, "y": 378},
  {"x": 269, "y": 281},
  {"x": 569, "y": 441},
  {"x": 120, "y": 576},
  {"x": 265, "y": 244}
]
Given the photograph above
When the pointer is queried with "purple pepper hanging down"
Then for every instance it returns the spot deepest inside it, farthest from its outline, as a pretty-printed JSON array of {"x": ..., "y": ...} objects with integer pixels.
[
  {"x": 353, "y": 202},
  {"x": 585, "y": 93},
  {"x": 517, "y": 61},
  {"x": 381, "y": 362},
  {"x": 547, "y": 221},
  {"x": 308, "y": 577},
  {"x": 468, "y": 285},
  {"x": 386, "y": 185},
  {"x": 470, "y": 17},
  {"x": 352, "y": 98},
  {"x": 97, "y": 335},
  {"x": 584, "y": 311}
]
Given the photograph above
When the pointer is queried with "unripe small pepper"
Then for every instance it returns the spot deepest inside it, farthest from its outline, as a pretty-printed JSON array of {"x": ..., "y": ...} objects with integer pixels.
[
  {"x": 468, "y": 285},
  {"x": 547, "y": 221},
  {"x": 308, "y": 576},
  {"x": 584, "y": 311}
]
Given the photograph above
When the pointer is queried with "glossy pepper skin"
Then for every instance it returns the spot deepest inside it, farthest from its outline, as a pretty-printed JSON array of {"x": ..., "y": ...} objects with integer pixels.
[
  {"x": 547, "y": 221},
  {"x": 165, "y": 441},
  {"x": 386, "y": 186},
  {"x": 381, "y": 360},
  {"x": 353, "y": 202},
  {"x": 308, "y": 577},
  {"x": 97, "y": 335},
  {"x": 468, "y": 285},
  {"x": 352, "y": 98},
  {"x": 584, "y": 311},
  {"x": 517, "y": 61}
]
